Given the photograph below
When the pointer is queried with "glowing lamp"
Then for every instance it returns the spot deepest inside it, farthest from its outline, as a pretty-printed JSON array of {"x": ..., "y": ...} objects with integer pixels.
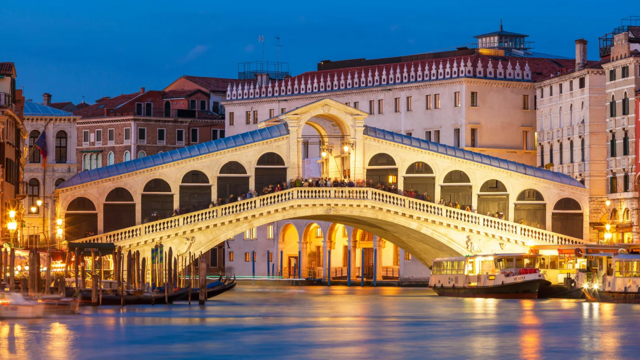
[
  {"x": 59, "y": 231},
  {"x": 346, "y": 148},
  {"x": 608, "y": 227},
  {"x": 33, "y": 209},
  {"x": 324, "y": 154},
  {"x": 12, "y": 226},
  {"x": 39, "y": 202},
  {"x": 12, "y": 214},
  {"x": 607, "y": 202},
  {"x": 59, "y": 221}
]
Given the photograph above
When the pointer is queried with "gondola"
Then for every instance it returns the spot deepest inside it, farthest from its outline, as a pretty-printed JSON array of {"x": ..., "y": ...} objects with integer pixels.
[
  {"x": 130, "y": 299},
  {"x": 209, "y": 286},
  {"x": 223, "y": 287}
]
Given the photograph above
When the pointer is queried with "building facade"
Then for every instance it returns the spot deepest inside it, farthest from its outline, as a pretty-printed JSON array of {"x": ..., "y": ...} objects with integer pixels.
[{"x": 41, "y": 179}]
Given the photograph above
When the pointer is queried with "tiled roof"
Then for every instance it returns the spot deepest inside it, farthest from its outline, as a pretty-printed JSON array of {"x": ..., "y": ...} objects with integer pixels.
[
  {"x": 35, "y": 109},
  {"x": 7, "y": 68},
  {"x": 209, "y": 147},
  {"x": 97, "y": 109},
  {"x": 212, "y": 83},
  {"x": 82, "y": 105},
  {"x": 178, "y": 94},
  {"x": 472, "y": 156},
  {"x": 60, "y": 105}
]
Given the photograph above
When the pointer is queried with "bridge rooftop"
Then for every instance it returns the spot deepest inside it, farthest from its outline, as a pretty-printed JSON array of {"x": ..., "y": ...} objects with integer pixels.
[
  {"x": 177, "y": 155},
  {"x": 472, "y": 156}
]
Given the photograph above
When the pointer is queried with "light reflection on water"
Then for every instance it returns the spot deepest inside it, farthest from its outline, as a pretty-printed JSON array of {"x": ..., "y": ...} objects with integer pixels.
[{"x": 337, "y": 322}]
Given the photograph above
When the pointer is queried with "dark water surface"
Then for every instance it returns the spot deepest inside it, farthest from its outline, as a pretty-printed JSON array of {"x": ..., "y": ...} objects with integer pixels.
[{"x": 329, "y": 323}]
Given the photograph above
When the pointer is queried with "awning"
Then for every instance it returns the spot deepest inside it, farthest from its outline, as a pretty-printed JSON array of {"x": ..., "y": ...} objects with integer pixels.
[{"x": 104, "y": 248}]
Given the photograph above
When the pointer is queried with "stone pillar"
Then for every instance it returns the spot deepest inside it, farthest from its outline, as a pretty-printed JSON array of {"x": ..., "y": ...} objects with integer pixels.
[
  {"x": 295, "y": 167},
  {"x": 359, "y": 149},
  {"x": 512, "y": 209},
  {"x": 401, "y": 264},
  {"x": 474, "y": 199},
  {"x": 377, "y": 244},
  {"x": 304, "y": 264},
  {"x": 351, "y": 244},
  {"x": 100, "y": 218}
]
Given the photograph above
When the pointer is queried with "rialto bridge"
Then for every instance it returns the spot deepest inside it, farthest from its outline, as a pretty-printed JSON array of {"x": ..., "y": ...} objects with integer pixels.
[{"x": 132, "y": 204}]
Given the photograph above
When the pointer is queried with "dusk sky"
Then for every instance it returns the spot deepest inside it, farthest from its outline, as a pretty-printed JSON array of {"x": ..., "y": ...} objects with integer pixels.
[{"x": 107, "y": 48}]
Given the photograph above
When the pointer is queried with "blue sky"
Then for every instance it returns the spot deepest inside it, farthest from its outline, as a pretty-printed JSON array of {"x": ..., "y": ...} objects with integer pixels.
[{"x": 107, "y": 48}]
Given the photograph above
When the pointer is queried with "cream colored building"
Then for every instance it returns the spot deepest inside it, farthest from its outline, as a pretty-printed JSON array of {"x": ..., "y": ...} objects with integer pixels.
[
  {"x": 571, "y": 129},
  {"x": 60, "y": 129}
]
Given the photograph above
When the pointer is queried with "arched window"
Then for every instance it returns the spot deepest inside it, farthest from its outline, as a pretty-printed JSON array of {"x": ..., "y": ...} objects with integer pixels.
[
  {"x": 382, "y": 160},
  {"x": 571, "y": 115},
  {"x": 196, "y": 177},
  {"x": 99, "y": 160},
  {"x": 561, "y": 152},
  {"x": 119, "y": 210},
  {"x": 493, "y": 199},
  {"x": 560, "y": 117},
  {"x": 157, "y": 185},
  {"x": 530, "y": 209},
  {"x": 119, "y": 194},
  {"x": 456, "y": 176},
  {"x": 86, "y": 162},
  {"x": 58, "y": 182},
  {"x": 195, "y": 191},
  {"x": 626, "y": 215},
  {"x": 625, "y": 104},
  {"x": 270, "y": 159},
  {"x": 541, "y": 155},
  {"x": 419, "y": 168},
  {"x": 571, "y": 151},
  {"x": 35, "y": 153},
  {"x": 582, "y": 149},
  {"x": 456, "y": 189},
  {"x": 614, "y": 215},
  {"x": 110, "y": 158},
  {"x": 81, "y": 204},
  {"x": 34, "y": 194},
  {"x": 530, "y": 195},
  {"x": 167, "y": 109},
  {"x": 127, "y": 156},
  {"x": 141, "y": 154},
  {"x": 419, "y": 178},
  {"x": 567, "y": 204},
  {"x": 81, "y": 219},
  {"x": 157, "y": 201},
  {"x": 61, "y": 147},
  {"x": 233, "y": 167},
  {"x": 612, "y": 106}
]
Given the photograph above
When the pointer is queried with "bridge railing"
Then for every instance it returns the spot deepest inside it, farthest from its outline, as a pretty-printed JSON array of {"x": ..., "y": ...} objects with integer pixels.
[{"x": 368, "y": 194}]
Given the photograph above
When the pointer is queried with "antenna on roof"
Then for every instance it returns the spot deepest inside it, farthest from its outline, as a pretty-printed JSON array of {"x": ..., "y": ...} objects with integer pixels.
[
  {"x": 261, "y": 40},
  {"x": 500, "y": 24},
  {"x": 278, "y": 46},
  {"x": 83, "y": 99}
]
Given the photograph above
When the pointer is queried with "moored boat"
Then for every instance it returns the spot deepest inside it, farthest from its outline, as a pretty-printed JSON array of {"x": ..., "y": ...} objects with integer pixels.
[
  {"x": 504, "y": 276},
  {"x": 15, "y": 306},
  {"x": 618, "y": 281}
]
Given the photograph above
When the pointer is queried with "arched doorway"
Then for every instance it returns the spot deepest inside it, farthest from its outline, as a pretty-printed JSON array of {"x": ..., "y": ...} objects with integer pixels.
[
  {"x": 270, "y": 170},
  {"x": 157, "y": 201},
  {"x": 530, "y": 209},
  {"x": 233, "y": 180},
  {"x": 338, "y": 243},
  {"x": 195, "y": 191},
  {"x": 119, "y": 210},
  {"x": 567, "y": 218},
  {"x": 288, "y": 246},
  {"x": 456, "y": 188},
  {"x": 421, "y": 179},
  {"x": 313, "y": 237},
  {"x": 493, "y": 199},
  {"x": 80, "y": 219},
  {"x": 382, "y": 170}
]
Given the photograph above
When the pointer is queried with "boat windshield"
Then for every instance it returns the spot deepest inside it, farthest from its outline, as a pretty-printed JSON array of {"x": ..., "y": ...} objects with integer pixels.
[
  {"x": 517, "y": 262},
  {"x": 627, "y": 268}
]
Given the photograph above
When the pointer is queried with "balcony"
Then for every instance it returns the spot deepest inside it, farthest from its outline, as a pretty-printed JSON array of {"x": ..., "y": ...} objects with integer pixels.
[
  {"x": 610, "y": 123},
  {"x": 580, "y": 129},
  {"x": 581, "y": 168},
  {"x": 5, "y": 99},
  {"x": 611, "y": 163},
  {"x": 558, "y": 134},
  {"x": 621, "y": 122},
  {"x": 568, "y": 132},
  {"x": 549, "y": 136}
]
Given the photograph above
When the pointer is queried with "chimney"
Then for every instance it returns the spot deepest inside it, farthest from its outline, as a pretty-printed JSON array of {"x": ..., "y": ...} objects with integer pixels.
[
  {"x": 581, "y": 54},
  {"x": 46, "y": 99},
  {"x": 141, "y": 90}
]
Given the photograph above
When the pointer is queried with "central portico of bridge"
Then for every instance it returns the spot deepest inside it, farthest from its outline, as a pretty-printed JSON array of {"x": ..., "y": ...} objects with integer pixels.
[{"x": 131, "y": 204}]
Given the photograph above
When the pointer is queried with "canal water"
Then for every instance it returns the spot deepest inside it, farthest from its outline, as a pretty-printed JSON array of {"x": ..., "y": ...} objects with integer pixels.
[{"x": 329, "y": 323}]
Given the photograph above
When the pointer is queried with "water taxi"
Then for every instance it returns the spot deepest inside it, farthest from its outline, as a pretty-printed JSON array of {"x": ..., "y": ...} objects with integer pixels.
[
  {"x": 15, "y": 306},
  {"x": 617, "y": 279},
  {"x": 569, "y": 267},
  {"x": 503, "y": 276}
]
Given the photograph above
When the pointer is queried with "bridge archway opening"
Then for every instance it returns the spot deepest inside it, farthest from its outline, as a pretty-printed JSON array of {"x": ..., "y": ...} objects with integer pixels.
[
  {"x": 567, "y": 218},
  {"x": 80, "y": 219},
  {"x": 530, "y": 209},
  {"x": 157, "y": 201},
  {"x": 313, "y": 239},
  {"x": 232, "y": 180},
  {"x": 119, "y": 210},
  {"x": 420, "y": 178},
  {"x": 456, "y": 189},
  {"x": 195, "y": 191},
  {"x": 325, "y": 152},
  {"x": 382, "y": 171},
  {"x": 493, "y": 198},
  {"x": 270, "y": 170},
  {"x": 289, "y": 251},
  {"x": 338, "y": 243}
]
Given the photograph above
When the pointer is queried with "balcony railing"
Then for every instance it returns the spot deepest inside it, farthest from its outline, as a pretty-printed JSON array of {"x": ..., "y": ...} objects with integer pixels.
[
  {"x": 568, "y": 132},
  {"x": 611, "y": 163},
  {"x": 580, "y": 129}
]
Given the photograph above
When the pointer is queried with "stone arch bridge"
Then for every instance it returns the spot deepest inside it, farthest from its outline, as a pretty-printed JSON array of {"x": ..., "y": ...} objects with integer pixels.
[{"x": 131, "y": 203}]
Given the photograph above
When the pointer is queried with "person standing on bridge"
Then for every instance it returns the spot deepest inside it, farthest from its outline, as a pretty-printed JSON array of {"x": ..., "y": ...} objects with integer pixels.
[{"x": 249, "y": 194}]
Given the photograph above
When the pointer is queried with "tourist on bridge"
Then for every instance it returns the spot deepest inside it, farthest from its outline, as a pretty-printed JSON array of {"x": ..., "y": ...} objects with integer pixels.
[{"x": 350, "y": 183}]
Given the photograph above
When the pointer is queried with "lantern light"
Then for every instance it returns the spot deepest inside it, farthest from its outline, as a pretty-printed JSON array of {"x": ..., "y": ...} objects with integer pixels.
[
  {"x": 59, "y": 231},
  {"x": 608, "y": 202},
  {"x": 12, "y": 226},
  {"x": 346, "y": 148},
  {"x": 324, "y": 154},
  {"x": 59, "y": 221},
  {"x": 33, "y": 209},
  {"x": 39, "y": 202},
  {"x": 12, "y": 214},
  {"x": 608, "y": 227}
]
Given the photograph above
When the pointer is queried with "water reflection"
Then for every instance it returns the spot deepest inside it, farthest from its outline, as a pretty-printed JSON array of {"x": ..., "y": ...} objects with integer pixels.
[{"x": 337, "y": 322}]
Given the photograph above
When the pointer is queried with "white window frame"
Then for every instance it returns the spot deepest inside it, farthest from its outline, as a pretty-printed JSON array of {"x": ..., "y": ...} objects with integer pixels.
[
  {"x": 178, "y": 142},
  {"x": 111, "y": 156},
  {"x": 146, "y": 135},
  {"x": 85, "y": 137},
  {"x": 127, "y": 141},
  {"x": 197, "y": 136},
  {"x": 144, "y": 110},
  {"x": 205, "y": 105},
  {"x": 164, "y": 141},
  {"x": 124, "y": 155},
  {"x": 109, "y": 131},
  {"x": 98, "y": 142},
  {"x": 141, "y": 109}
]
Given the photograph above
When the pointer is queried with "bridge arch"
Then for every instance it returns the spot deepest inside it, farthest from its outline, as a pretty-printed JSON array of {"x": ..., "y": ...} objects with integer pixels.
[
  {"x": 567, "y": 217},
  {"x": 289, "y": 250},
  {"x": 382, "y": 168},
  {"x": 119, "y": 210},
  {"x": 233, "y": 179},
  {"x": 421, "y": 178},
  {"x": 530, "y": 209},
  {"x": 270, "y": 169},
  {"x": 312, "y": 249},
  {"x": 493, "y": 198},
  {"x": 456, "y": 187},
  {"x": 195, "y": 191},
  {"x": 157, "y": 200},
  {"x": 81, "y": 218}
]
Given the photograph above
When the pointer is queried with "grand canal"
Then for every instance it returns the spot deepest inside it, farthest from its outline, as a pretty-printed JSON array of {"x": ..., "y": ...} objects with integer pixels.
[{"x": 336, "y": 322}]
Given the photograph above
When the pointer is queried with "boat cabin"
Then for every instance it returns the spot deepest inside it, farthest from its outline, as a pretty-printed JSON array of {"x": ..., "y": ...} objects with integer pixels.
[{"x": 482, "y": 270}]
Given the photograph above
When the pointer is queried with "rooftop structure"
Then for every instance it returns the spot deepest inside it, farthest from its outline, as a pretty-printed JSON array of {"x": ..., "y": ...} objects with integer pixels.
[{"x": 629, "y": 25}]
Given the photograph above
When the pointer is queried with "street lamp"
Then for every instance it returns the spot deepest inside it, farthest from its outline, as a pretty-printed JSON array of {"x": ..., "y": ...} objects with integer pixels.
[
  {"x": 33, "y": 209},
  {"x": 39, "y": 202},
  {"x": 12, "y": 226}
]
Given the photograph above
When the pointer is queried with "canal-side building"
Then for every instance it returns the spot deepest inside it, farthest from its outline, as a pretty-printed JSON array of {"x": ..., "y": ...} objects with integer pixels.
[
  {"x": 571, "y": 133},
  {"x": 41, "y": 180},
  {"x": 622, "y": 72}
]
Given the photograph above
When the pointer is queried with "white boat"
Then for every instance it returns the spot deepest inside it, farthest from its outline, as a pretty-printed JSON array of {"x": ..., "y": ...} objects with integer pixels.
[
  {"x": 503, "y": 276},
  {"x": 15, "y": 306},
  {"x": 616, "y": 280}
]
